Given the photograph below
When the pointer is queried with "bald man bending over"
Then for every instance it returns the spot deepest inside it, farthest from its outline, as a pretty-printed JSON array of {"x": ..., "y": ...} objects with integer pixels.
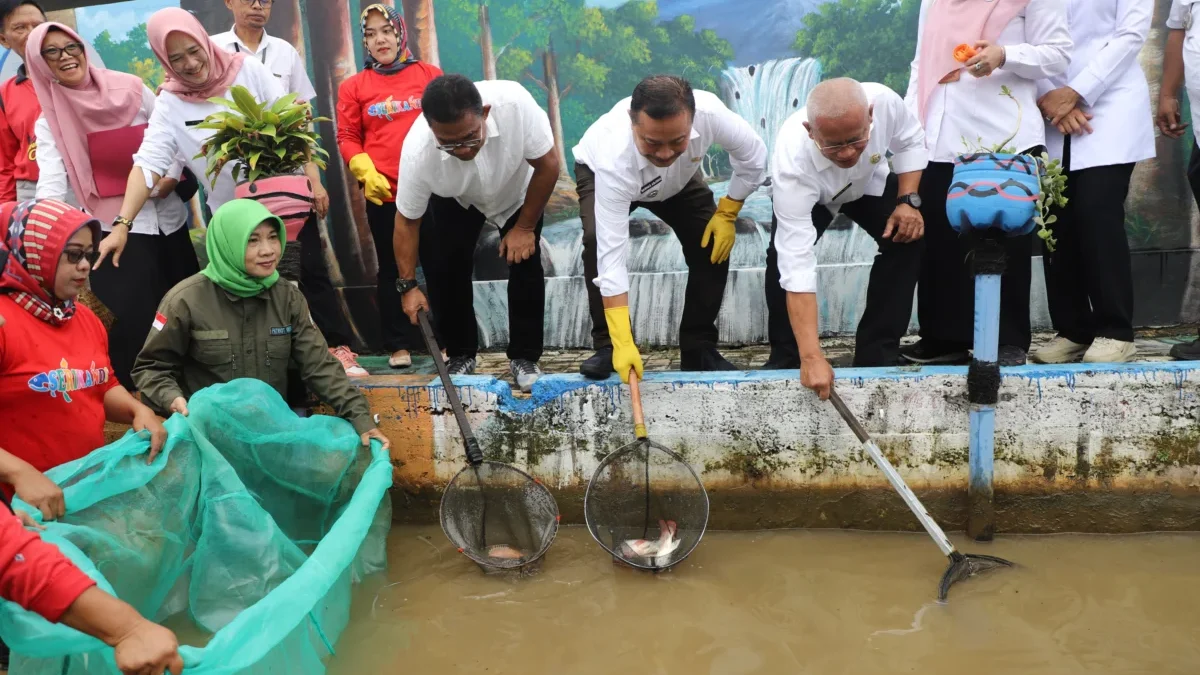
[{"x": 833, "y": 157}]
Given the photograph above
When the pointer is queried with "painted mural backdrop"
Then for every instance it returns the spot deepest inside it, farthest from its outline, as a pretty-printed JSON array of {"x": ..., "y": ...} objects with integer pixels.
[{"x": 579, "y": 57}]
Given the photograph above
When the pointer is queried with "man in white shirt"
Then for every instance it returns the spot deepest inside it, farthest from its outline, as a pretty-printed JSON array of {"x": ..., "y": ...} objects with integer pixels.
[
  {"x": 832, "y": 157},
  {"x": 249, "y": 35},
  {"x": 647, "y": 152},
  {"x": 480, "y": 153},
  {"x": 1181, "y": 67},
  {"x": 1096, "y": 123}
]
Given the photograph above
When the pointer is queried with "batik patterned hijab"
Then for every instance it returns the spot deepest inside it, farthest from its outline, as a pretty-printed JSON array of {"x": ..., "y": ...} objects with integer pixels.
[
  {"x": 403, "y": 56},
  {"x": 35, "y": 234}
]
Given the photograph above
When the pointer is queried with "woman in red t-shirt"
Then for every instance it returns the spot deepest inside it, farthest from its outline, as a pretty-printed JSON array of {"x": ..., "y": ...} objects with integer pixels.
[
  {"x": 375, "y": 110},
  {"x": 56, "y": 381}
]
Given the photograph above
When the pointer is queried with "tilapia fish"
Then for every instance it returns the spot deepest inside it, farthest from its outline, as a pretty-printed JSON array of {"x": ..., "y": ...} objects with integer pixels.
[
  {"x": 504, "y": 552},
  {"x": 656, "y": 551}
]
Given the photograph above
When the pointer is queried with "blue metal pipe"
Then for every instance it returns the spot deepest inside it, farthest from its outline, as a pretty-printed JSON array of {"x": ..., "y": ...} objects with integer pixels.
[{"x": 981, "y": 523}]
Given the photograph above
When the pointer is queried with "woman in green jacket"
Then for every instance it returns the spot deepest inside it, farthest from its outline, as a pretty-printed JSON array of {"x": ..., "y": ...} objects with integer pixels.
[{"x": 234, "y": 320}]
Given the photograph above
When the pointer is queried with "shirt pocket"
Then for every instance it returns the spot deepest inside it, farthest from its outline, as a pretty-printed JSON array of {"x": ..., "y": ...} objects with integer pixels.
[
  {"x": 213, "y": 350},
  {"x": 279, "y": 356}
]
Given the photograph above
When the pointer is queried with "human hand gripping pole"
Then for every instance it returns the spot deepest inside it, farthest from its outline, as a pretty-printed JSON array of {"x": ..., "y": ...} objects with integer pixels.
[
  {"x": 722, "y": 230},
  {"x": 962, "y": 565},
  {"x": 625, "y": 357}
]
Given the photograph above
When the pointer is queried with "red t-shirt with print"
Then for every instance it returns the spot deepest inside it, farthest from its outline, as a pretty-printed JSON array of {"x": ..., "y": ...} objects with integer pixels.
[
  {"x": 375, "y": 112},
  {"x": 52, "y": 386}
]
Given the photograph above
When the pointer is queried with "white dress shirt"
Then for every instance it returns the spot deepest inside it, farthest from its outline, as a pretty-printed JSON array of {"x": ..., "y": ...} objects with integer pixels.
[
  {"x": 804, "y": 178},
  {"x": 279, "y": 56},
  {"x": 158, "y": 216},
  {"x": 495, "y": 181},
  {"x": 624, "y": 176},
  {"x": 172, "y": 132},
  {"x": 1108, "y": 36},
  {"x": 1037, "y": 45},
  {"x": 1184, "y": 16}
]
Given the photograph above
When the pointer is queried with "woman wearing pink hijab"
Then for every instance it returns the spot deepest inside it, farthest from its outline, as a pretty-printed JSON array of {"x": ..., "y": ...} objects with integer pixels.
[
  {"x": 92, "y": 122},
  {"x": 1015, "y": 44}
]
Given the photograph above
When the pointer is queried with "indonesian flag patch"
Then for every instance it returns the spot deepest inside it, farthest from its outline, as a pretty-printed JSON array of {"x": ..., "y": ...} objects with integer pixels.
[{"x": 160, "y": 321}]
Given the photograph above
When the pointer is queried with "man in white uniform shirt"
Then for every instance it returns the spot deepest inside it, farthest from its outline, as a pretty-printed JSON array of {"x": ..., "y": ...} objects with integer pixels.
[
  {"x": 647, "y": 152},
  {"x": 1096, "y": 123},
  {"x": 832, "y": 157},
  {"x": 1181, "y": 67},
  {"x": 249, "y": 35},
  {"x": 480, "y": 153}
]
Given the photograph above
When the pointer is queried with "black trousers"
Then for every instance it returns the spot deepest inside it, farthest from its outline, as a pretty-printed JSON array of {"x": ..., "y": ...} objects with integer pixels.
[
  {"x": 447, "y": 253},
  {"x": 318, "y": 290},
  {"x": 893, "y": 279},
  {"x": 946, "y": 290},
  {"x": 398, "y": 332},
  {"x": 154, "y": 263},
  {"x": 1089, "y": 276},
  {"x": 687, "y": 214}
]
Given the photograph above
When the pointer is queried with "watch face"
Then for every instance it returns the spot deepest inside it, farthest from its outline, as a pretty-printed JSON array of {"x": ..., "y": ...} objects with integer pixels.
[{"x": 912, "y": 200}]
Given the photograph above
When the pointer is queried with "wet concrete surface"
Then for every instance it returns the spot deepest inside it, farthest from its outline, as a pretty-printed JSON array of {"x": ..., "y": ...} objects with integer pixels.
[{"x": 792, "y": 601}]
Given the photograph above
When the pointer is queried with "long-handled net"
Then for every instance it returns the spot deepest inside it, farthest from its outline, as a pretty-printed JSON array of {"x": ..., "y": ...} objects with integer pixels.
[
  {"x": 645, "y": 505},
  {"x": 495, "y": 514}
]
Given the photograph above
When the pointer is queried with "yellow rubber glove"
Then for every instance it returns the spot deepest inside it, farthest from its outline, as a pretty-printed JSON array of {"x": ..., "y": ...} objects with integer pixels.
[
  {"x": 375, "y": 185},
  {"x": 625, "y": 351},
  {"x": 722, "y": 229}
]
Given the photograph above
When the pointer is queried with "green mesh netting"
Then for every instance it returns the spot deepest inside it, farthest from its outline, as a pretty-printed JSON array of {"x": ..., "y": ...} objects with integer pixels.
[{"x": 253, "y": 521}]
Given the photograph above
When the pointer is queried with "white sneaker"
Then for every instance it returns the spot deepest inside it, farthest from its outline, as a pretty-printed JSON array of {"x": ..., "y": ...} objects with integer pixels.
[
  {"x": 400, "y": 359},
  {"x": 1058, "y": 350},
  {"x": 1107, "y": 350},
  {"x": 525, "y": 373}
]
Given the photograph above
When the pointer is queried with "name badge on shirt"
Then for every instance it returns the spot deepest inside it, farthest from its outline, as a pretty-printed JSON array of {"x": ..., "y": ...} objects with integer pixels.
[{"x": 281, "y": 330}]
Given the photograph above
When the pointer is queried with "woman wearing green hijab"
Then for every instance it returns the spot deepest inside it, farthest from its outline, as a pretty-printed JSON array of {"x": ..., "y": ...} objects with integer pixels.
[{"x": 234, "y": 319}]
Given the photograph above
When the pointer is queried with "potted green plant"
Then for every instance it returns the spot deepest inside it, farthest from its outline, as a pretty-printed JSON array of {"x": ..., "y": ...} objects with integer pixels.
[{"x": 269, "y": 145}]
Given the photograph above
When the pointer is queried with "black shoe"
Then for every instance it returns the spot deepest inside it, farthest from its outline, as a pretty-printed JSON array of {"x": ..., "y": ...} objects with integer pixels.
[
  {"x": 599, "y": 366},
  {"x": 3, "y": 656},
  {"x": 702, "y": 360},
  {"x": 782, "y": 361},
  {"x": 1012, "y": 356},
  {"x": 928, "y": 353},
  {"x": 1189, "y": 351}
]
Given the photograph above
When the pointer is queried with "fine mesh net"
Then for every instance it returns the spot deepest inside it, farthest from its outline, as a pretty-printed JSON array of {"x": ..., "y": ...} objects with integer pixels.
[
  {"x": 499, "y": 516},
  {"x": 646, "y": 506},
  {"x": 253, "y": 524}
]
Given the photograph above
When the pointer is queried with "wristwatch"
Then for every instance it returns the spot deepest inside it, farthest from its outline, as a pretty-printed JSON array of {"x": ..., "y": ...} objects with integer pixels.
[
  {"x": 122, "y": 220},
  {"x": 405, "y": 285},
  {"x": 912, "y": 199}
]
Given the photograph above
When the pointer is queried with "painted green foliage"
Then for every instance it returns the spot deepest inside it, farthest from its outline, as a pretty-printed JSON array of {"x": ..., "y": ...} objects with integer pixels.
[
  {"x": 884, "y": 39},
  {"x": 600, "y": 53},
  {"x": 131, "y": 55}
]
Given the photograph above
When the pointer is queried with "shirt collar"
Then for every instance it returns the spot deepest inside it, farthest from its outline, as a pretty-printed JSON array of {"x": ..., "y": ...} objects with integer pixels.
[
  {"x": 238, "y": 41},
  {"x": 493, "y": 131},
  {"x": 644, "y": 163}
]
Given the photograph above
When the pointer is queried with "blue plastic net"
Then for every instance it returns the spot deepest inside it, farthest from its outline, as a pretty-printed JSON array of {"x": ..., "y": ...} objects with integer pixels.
[{"x": 253, "y": 523}]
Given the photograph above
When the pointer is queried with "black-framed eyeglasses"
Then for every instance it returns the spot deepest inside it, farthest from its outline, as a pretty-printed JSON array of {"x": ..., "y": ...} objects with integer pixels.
[
  {"x": 473, "y": 143},
  {"x": 55, "y": 54},
  {"x": 265, "y": 4},
  {"x": 74, "y": 255}
]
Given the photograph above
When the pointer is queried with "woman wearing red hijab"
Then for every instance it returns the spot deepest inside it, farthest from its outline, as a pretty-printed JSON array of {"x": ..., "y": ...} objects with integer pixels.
[
  {"x": 1011, "y": 45},
  {"x": 92, "y": 122},
  {"x": 56, "y": 381},
  {"x": 375, "y": 110}
]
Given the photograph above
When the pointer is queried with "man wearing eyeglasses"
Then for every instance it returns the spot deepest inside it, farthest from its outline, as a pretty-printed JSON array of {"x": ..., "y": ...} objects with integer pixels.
[
  {"x": 249, "y": 35},
  {"x": 19, "y": 107},
  {"x": 481, "y": 153},
  {"x": 833, "y": 157}
]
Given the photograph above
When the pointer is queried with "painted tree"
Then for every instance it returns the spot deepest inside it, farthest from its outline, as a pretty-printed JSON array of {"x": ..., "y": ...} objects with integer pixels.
[
  {"x": 422, "y": 29},
  {"x": 131, "y": 54},
  {"x": 868, "y": 40}
]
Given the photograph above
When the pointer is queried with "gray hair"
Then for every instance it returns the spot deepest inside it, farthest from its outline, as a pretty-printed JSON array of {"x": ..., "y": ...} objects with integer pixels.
[{"x": 836, "y": 98}]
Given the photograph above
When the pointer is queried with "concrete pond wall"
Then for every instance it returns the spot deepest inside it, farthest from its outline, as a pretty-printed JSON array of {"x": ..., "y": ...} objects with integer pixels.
[{"x": 1112, "y": 448}]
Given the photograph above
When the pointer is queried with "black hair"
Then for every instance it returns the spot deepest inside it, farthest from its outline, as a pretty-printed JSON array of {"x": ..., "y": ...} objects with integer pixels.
[
  {"x": 662, "y": 97},
  {"x": 7, "y": 7},
  {"x": 449, "y": 97}
]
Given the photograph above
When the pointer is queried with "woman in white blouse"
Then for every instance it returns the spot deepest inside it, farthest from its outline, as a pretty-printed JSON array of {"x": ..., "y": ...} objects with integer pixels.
[
  {"x": 1018, "y": 42},
  {"x": 92, "y": 121},
  {"x": 197, "y": 70}
]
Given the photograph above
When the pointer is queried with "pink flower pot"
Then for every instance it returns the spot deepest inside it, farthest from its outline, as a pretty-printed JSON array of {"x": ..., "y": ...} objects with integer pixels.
[{"x": 289, "y": 197}]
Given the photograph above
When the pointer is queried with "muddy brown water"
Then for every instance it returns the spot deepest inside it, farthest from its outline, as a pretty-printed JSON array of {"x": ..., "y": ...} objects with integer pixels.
[{"x": 794, "y": 601}]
